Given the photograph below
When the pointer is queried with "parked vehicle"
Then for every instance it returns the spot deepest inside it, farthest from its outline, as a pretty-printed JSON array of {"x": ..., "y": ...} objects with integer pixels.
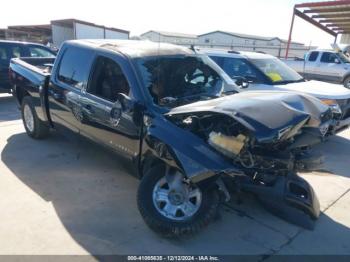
[
  {"x": 325, "y": 65},
  {"x": 177, "y": 117},
  {"x": 12, "y": 49},
  {"x": 256, "y": 71}
]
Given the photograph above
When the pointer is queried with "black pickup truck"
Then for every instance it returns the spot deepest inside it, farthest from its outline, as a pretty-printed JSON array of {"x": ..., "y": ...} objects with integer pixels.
[{"x": 177, "y": 117}]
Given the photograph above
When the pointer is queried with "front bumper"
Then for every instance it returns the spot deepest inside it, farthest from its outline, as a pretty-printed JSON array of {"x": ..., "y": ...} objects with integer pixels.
[
  {"x": 340, "y": 125},
  {"x": 290, "y": 198}
]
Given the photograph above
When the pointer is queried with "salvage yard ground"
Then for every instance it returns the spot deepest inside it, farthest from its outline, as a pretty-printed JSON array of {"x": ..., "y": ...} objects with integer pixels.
[{"x": 61, "y": 196}]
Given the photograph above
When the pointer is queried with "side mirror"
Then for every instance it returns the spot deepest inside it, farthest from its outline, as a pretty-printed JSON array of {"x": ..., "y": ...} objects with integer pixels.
[
  {"x": 337, "y": 61},
  {"x": 123, "y": 104},
  {"x": 242, "y": 82}
]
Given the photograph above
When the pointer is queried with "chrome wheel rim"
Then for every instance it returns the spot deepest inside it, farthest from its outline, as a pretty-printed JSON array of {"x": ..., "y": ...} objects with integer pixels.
[
  {"x": 28, "y": 118},
  {"x": 176, "y": 200}
]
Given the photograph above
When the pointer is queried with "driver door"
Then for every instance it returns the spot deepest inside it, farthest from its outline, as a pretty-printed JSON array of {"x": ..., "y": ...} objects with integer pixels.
[{"x": 98, "y": 102}]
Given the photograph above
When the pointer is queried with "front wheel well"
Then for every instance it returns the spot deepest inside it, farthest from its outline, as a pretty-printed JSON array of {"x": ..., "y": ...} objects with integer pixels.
[
  {"x": 346, "y": 77},
  {"x": 20, "y": 94},
  {"x": 148, "y": 162}
]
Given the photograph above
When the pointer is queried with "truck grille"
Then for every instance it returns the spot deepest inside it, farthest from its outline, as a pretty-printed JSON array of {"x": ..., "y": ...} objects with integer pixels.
[
  {"x": 345, "y": 107},
  {"x": 327, "y": 116}
]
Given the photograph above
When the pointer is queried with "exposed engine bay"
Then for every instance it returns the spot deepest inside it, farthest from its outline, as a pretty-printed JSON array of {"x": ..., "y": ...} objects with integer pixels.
[
  {"x": 236, "y": 143},
  {"x": 268, "y": 151}
]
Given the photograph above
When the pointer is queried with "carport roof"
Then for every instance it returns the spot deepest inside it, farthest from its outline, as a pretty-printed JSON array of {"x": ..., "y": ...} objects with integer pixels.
[{"x": 332, "y": 17}]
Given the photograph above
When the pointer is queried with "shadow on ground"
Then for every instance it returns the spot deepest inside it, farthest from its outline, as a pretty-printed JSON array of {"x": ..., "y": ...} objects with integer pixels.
[
  {"x": 95, "y": 198},
  {"x": 8, "y": 109},
  {"x": 336, "y": 151}
]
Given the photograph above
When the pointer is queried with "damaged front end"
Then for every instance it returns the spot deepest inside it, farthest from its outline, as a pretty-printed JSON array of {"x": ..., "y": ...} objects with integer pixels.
[{"x": 255, "y": 142}]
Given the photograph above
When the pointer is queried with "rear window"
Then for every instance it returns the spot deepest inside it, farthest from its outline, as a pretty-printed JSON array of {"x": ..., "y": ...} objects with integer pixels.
[
  {"x": 36, "y": 51},
  {"x": 75, "y": 66},
  {"x": 3, "y": 54},
  {"x": 313, "y": 56}
]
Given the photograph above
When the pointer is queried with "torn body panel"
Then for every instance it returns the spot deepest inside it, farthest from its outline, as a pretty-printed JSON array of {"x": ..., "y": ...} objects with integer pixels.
[
  {"x": 266, "y": 114},
  {"x": 170, "y": 143},
  {"x": 261, "y": 151}
]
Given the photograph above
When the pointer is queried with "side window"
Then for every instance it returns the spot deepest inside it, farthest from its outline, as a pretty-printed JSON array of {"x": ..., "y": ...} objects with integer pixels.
[
  {"x": 313, "y": 56},
  {"x": 107, "y": 80},
  {"x": 3, "y": 56},
  {"x": 239, "y": 67},
  {"x": 39, "y": 52},
  {"x": 15, "y": 52},
  {"x": 328, "y": 57},
  {"x": 75, "y": 66},
  {"x": 218, "y": 60}
]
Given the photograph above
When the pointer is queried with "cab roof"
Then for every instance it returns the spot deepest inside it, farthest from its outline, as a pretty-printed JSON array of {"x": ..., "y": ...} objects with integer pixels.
[
  {"x": 134, "y": 48},
  {"x": 236, "y": 54},
  {"x": 19, "y": 42}
]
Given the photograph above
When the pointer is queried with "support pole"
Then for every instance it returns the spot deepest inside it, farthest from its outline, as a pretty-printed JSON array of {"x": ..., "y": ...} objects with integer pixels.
[
  {"x": 290, "y": 33},
  {"x": 335, "y": 39}
]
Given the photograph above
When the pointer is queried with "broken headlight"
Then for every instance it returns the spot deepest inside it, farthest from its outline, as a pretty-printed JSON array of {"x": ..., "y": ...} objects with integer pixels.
[
  {"x": 230, "y": 146},
  {"x": 333, "y": 104}
]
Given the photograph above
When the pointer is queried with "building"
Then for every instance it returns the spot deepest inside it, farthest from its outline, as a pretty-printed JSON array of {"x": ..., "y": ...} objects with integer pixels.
[
  {"x": 170, "y": 37},
  {"x": 230, "y": 41},
  {"x": 227, "y": 39},
  {"x": 345, "y": 39},
  {"x": 68, "y": 29},
  {"x": 237, "y": 41},
  {"x": 31, "y": 33},
  {"x": 59, "y": 31}
]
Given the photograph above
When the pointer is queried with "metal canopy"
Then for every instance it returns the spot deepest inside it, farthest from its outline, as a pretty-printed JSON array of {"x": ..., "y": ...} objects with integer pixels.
[{"x": 332, "y": 17}]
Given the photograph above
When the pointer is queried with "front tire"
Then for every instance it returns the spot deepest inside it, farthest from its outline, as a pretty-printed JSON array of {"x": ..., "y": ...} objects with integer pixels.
[
  {"x": 169, "y": 213},
  {"x": 34, "y": 127}
]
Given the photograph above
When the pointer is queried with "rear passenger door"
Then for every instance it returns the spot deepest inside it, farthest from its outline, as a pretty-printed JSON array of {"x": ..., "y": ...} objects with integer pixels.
[
  {"x": 107, "y": 79},
  {"x": 70, "y": 77},
  {"x": 4, "y": 59}
]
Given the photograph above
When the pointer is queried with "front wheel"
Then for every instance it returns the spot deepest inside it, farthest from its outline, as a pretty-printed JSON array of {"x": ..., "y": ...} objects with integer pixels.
[
  {"x": 347, "y": 82},
  {"x": 172, "y": 206},
  {"x": 34, "y": 127}
]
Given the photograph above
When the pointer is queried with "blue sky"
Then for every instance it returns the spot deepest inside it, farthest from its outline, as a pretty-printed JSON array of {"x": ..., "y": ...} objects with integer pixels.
[{"x": 266, "y": 18}]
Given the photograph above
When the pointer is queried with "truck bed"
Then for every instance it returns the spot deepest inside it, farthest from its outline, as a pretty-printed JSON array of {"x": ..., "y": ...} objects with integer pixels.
[
  {"x": 35, "y": 70},
  {"x": 296, "y": 64}
]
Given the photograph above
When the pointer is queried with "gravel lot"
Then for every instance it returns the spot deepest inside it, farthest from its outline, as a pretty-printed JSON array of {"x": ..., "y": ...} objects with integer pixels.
[{"x": 66, "y": 196}]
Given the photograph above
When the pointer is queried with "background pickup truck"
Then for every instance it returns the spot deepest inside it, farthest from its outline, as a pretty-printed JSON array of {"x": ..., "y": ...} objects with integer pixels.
[
  {"x": 324, "y": 65},
  {"x": 12, "y": 49},
  {"x": 177, "y": 117}
]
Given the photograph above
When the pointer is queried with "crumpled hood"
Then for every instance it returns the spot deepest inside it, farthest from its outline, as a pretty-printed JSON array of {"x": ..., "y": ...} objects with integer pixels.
[
  {"x": 264, "y": 113},
  {"x": 318, "y": 89}
]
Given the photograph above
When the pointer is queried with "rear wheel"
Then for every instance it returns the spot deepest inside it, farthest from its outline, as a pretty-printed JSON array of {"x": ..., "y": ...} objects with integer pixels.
[
  {"x": 172, "y": 206},
  {"x": 347, "y": 82},
  {"x": 34, "y": 127}
]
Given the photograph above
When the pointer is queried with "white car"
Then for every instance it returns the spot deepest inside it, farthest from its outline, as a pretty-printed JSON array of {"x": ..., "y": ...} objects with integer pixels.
[{"x": 257, "y": 71}]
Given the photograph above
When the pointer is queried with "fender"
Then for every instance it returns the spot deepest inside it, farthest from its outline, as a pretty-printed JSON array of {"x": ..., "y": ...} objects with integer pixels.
[
  {"x": 170, "y": 144},
  {"x": 345, "y": 77}
]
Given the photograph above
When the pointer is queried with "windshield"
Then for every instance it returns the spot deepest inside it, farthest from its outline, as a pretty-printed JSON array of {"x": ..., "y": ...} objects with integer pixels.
[
  {"x": 180, "y": 78},
  {"x": 344, "y": 58},
  {"x": 277, "y": 71}
]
